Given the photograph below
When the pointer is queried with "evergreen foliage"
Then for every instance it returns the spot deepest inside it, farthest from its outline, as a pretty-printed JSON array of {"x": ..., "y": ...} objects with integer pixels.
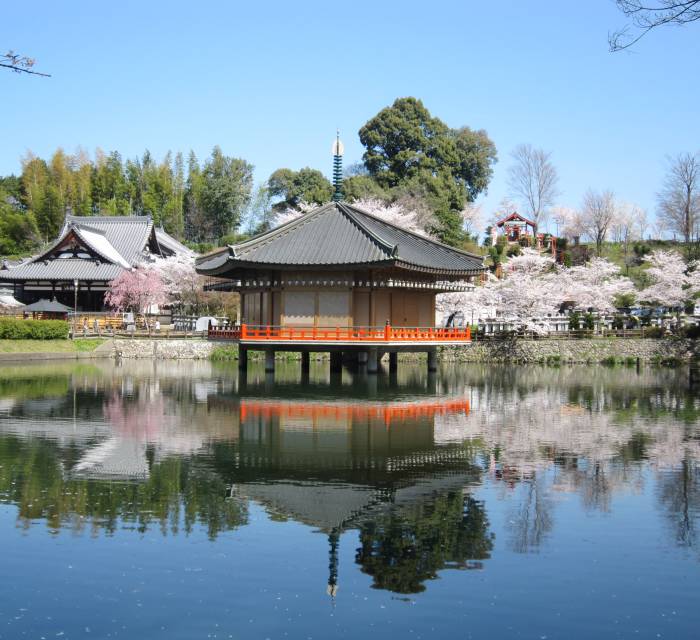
[
  {"x": 200, "y": 203},
  {"x": 411, "y": 152},
  {"x": 12, "y": 329},
  {"x": 294, "y": 187}
]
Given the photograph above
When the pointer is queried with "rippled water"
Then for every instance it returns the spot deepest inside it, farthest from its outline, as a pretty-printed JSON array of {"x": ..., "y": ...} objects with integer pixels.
[{"x": 175, "y": 500}]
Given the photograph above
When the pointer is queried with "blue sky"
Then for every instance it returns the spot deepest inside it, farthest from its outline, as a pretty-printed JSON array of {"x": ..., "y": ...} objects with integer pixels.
[{"x": 271, "y": 81}]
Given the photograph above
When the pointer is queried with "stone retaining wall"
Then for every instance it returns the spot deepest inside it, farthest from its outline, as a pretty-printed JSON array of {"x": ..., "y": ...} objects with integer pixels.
[
  {"x": 573, "y": 350},
  {"x": 162, "y": 348},
  {"x": 521, "y": 350}
]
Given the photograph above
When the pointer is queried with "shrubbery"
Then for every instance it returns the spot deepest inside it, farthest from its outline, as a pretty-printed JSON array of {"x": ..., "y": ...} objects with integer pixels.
[
  {"x": 224, "y": 353},
  {"x": 692, "y": 331},
  {"x": 11, "y": 329}
]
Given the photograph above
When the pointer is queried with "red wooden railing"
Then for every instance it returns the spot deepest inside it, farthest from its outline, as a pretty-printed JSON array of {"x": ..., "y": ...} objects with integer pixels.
[
  {"x": 335, "y": 410},
  {"x": 256, "y": 333}
]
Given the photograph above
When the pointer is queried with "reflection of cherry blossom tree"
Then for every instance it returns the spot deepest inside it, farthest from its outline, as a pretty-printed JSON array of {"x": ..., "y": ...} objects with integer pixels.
[
  {"x": 141, "y": 420},
  {"x": 137, "y": 289}
]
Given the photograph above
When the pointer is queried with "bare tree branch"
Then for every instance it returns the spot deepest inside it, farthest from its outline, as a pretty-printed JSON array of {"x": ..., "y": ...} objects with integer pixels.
[
  {"x": 598, "y": 212},
  {"x": 20, "y": 64},
  {"x": 679, "y": 199},
  {"x": 533, "y": 179},
  {"x": 646, "y": 15}
]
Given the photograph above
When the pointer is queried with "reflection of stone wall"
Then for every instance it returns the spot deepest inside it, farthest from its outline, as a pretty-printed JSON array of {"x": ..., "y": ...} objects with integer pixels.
[{"x": 571, "y": 350}]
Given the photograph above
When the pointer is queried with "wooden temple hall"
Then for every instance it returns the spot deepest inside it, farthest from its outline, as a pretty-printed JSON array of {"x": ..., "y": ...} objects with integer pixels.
[{"x": 340, "y": 280}]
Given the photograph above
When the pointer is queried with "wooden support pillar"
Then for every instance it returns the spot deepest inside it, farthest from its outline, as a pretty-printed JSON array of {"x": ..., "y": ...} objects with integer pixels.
[
  {"x": 372, "y": 360},
  {"x": 305, "y": 360},
  {"x": 393, "y": 361},
  {"x": 432, "y": 360},
  {"x": 269, "y": 360},
  {"x": 336, "y": 361},
  {"x": 362, "y": 357},
  {"x": 242, "y": 358}
]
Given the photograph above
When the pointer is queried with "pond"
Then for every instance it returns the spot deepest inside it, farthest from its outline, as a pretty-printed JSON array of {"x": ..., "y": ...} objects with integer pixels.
[{"x": 178, "y": 500}]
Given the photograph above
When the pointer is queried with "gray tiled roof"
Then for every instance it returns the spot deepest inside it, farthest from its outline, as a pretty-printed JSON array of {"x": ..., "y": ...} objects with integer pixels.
[
  {"x": 120, "y": 241},
  {"x": 67, "y": 269},
  {"x": 127, "y": 234},
  {"x": 339, "y": 234}
]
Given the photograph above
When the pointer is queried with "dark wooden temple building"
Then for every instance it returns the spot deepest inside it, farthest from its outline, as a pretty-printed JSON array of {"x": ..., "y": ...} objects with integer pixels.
[
  {"x": 91, "y": 251},
  {"x": 340, "y": 279}
]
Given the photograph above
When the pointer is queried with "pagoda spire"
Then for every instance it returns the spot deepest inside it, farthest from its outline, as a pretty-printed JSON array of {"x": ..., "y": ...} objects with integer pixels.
[
  {"x": 338, "y": 150},
  {"x": 333, "y": 542}
]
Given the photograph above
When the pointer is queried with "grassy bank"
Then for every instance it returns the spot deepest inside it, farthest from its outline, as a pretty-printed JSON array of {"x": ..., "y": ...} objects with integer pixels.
[{"x": 80, "y": 345}]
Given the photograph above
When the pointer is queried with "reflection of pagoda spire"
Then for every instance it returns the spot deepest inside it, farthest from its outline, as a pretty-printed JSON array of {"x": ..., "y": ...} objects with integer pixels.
[{"x": 333, "y": 542}]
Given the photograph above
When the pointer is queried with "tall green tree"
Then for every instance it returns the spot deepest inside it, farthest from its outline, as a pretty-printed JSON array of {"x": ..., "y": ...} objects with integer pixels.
[
  {"x": 407, "y": 149},
  {"x": 18, "y": 231},
  {"x": 294, "y": 187},
  {"x": 35, "y": 180},
  {"x": 110, "y": 193},
  {"x": 81, "y": 203},
  {"x": 196, "y": 228},
  {"x": 51, "y": 214},
  {"x": 176, "y": 219},
  {"x": 226, "y": 191}
]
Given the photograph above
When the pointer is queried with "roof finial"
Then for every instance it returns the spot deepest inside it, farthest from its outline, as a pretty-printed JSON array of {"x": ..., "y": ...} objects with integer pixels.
[
  {"x": 338, "y": 150},
  {"x": 333, "y": 542}
]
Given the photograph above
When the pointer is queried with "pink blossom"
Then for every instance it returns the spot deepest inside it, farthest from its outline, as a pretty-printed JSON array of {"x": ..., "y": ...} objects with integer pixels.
[{"x": 137, "y": 289}]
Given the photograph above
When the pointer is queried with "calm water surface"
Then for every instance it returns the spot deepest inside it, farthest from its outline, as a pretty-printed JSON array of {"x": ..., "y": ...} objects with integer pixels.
[{"x": 175, "y": 500}]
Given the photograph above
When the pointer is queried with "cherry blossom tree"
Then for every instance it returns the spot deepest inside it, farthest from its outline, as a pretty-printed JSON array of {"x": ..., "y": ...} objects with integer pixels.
[
  {"x": 533, "y": 287},
  {"x": 568, "y": 221},
  {"x": 478, "y": 302},
  {"x": 529, "y": 290},
  {"x": 594, "y": 285},
  {"x": 673, "y": 282},
  {"x": 137, "y": 289},
  {"x": 398, "y": 214},
  {"x": 472, "y": 216},
  {"x": 526, "y": 293},
  {"x": 182, "y": 283},
  {"x": 395, "y": 213}
]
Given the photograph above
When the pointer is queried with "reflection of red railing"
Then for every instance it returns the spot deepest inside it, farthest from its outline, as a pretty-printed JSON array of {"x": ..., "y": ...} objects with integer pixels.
[
  {"x": 255, "y": 333},
  {"x": 343, "y": 411}
]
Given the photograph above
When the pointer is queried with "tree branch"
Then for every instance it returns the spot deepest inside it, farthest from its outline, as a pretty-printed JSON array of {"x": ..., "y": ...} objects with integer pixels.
[
  {"x": 646, "y": 17},
  {"x": 20, "y": 64}
]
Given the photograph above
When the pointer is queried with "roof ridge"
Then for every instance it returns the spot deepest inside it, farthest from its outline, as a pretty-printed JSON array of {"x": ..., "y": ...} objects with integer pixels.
[
  {"x": 131, "y": 218},
  {"x": 213, "y": 252},
  {"x": 78, "y": 225},
  {"x": 413, "y": 233},
  {"x": 101, "y": 253},
  {"x": 150, "y": 229},
  {"x": 391, "y": 247},
  {"x": 267, "y": 236}
]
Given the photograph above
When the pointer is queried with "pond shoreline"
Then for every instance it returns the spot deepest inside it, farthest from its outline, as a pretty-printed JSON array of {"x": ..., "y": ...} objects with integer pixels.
[
  {"x": 515, "y": 351},
  {"x": 547, "y": 350}
]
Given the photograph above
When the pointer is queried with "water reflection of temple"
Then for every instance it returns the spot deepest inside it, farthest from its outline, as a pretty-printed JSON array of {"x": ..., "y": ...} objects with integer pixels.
[
  {"x": 336, "y": 465},
  {"x": 332, "y": 463},
  {"x": 394, "y": 460}
]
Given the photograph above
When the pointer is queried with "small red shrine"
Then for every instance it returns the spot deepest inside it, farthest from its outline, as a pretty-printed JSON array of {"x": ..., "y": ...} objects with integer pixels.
[{"x": 520, "y": 230}]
